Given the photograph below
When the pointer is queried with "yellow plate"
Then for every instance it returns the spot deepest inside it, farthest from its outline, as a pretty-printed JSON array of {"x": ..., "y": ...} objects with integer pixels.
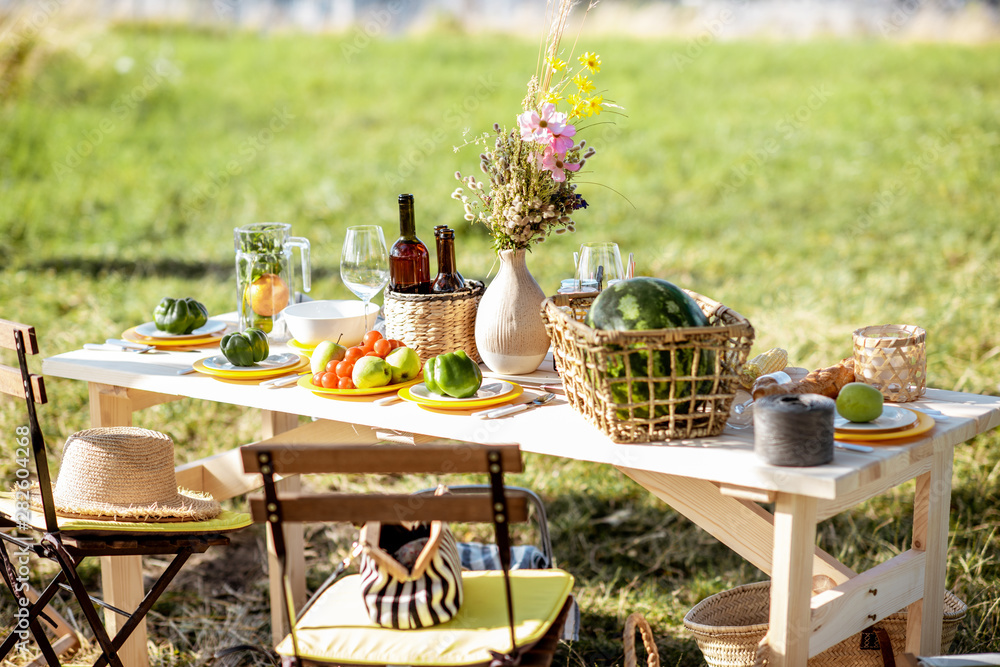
[
  {"x": 301, "y": 364},
  {"x": 463, "y": 404},
  {"x": 131, "y": 336},
  {"x": 306, "y": 381},
  {"x": 924, "y": 423},
  {"x": 301, "y": 347}
]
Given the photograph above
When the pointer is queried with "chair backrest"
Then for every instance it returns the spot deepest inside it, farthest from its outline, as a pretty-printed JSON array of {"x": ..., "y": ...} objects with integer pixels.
[
  {"x": 440, "y": 459},
  {"x": 21, "y": 383}
]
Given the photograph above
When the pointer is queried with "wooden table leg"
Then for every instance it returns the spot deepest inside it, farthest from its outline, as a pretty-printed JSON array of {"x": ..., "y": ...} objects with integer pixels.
[
  {"x": 791, "y": 580},
  {"x": 121, "y": 576},
  {"x": 931, "y": 507},
  {"x": 273, "y": 424}
]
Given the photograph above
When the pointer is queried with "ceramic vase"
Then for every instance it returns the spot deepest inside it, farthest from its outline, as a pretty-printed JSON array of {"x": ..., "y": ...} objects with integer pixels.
[{"x": 510, "y": 333}]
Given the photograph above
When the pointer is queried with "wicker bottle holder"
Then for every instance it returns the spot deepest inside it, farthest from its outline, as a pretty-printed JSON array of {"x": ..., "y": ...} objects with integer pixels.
[
  {"x": 730, "y": 625},
  {"x": 626, "y": 382},
  {"x": 433, "y": 324}
]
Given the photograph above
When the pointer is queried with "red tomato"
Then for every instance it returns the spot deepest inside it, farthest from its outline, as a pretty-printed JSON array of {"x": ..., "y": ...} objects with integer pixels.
[
  {"x": 371, "y": 337},
  {"x": 345, "y": 383},
  {"x": 353, "y": 354},
  {"x": 373, "y": 353},
  {"x": 331, "y": 366},
  {"x": 318, "y": 379},
  {"x": 396, "y": 343},
  {"x": 382, "y": 347},
  {"x": 329, "y": 380},
  {"x": 367, "y": 347},
  {"x": 344, "y": 369}
]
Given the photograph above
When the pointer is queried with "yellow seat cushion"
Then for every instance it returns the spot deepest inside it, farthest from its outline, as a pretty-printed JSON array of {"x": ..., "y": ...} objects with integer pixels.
[
  {"x": 337, "y": 628},
  {"x": 227, "y": 520}
]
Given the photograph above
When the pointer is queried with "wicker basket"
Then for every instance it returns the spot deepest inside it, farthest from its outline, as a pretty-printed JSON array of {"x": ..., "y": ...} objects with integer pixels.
[
  {"x": 434, "y": 324},
  {"x": 728, "y": 627},
  {"x": 625, "y": 382}
]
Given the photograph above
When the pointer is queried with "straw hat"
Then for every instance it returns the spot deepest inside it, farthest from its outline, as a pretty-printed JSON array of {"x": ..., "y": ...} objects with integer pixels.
[{"x": 127, "y": 474}]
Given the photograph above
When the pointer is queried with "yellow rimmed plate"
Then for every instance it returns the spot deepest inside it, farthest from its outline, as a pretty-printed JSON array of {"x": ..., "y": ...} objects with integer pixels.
[
  {"x": 306, "y": 381},
  {"x": 923, "y": 424},
  {"x": 149, "y": 330},
  {"x": 486, "y": 396},
  {"x": 131, "y": 336},
  {"x": 253, "y": 372},
  {"x": 301, "y": 347}
]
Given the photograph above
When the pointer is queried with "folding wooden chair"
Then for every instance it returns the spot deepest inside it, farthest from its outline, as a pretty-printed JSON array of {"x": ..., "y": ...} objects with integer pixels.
[
  {"x": 505, "y": 615},
  {"x": 68, "y": 541}
]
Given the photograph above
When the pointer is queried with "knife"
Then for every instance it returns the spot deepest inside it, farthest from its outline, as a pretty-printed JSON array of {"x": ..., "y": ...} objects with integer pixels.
[
  {"x": 511, "y": 409},
  {"x": 127, "y": 345}
]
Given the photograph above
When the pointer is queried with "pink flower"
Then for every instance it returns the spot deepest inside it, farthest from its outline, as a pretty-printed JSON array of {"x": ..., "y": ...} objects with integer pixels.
[
  {"x": 555, "y": 162},
  {"x": 540, "y": 128},
  {"x": 562, "y": 142}
]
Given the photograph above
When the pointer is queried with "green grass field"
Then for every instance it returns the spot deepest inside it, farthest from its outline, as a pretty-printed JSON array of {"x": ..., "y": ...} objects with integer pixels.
[{"x": 814, "y": 187}]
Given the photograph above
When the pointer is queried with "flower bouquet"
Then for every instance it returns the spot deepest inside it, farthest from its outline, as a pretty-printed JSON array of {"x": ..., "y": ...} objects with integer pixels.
[
  {"x": 530, "y": 168},
  {"x": 530, "y": 171}
]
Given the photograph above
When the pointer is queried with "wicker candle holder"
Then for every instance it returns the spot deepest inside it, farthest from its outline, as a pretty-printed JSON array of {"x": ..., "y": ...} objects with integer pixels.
[
  {"x": 433, "y": 324},
  {"x": 892, "y": 358}
]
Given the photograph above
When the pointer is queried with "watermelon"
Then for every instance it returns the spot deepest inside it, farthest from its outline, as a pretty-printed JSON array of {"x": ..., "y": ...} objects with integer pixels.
[{"x": 642, "y": 304}]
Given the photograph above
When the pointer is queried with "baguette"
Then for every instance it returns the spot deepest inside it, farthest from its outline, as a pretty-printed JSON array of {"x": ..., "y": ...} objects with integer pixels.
[{"x": 824, "y": 381}]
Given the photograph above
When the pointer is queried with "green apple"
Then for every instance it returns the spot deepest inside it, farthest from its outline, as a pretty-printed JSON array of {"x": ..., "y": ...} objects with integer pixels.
[
  {"x": 371, "y": 372},
  {"x": 324, "y": 353},
  {"x": 404, "y": 364},
  {"x": 859, "y": 402}
]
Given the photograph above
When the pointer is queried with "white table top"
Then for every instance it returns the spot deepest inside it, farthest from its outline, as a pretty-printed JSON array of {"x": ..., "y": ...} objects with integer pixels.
[{"x": 554, "y": 429}]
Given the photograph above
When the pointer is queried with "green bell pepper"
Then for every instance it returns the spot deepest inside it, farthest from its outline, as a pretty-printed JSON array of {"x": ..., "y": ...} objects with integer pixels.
[
  {"x": 453, "y": 374},
  {"x": 245, "y": 348},
  {"x": 179, "y": 316}
]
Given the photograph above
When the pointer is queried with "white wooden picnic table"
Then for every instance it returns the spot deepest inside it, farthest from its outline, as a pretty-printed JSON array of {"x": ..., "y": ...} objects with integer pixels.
[{"x": 716, "y": 482}]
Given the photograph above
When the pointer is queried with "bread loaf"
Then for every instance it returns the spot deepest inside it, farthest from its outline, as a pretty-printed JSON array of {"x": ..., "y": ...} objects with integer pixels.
[{"x": 824, "y": 381}]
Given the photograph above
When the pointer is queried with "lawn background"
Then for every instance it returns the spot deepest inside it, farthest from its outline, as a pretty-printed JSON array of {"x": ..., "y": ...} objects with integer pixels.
[{"x": 814, "y": 187}]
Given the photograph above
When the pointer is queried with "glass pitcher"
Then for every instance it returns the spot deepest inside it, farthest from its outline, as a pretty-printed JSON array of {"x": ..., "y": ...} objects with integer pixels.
[{"x": 264, "y": 274}]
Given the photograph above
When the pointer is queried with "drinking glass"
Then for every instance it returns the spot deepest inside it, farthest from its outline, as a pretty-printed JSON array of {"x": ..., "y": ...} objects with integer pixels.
[
  {"x": 596, "y": 255},
  {"x": 364, "y": 263}
]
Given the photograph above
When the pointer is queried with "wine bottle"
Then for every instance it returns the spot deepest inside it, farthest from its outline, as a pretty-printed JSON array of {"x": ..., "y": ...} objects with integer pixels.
[
  {"x": 448, "y": 278},
  {"x": 409, "y": 260}
]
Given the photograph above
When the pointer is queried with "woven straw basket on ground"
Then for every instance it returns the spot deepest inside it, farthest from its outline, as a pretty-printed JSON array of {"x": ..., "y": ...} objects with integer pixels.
[
  {"x": 433, "y": 324},
  {"x": 631, "y": 384},
  {"x": 728, "y": 627}
]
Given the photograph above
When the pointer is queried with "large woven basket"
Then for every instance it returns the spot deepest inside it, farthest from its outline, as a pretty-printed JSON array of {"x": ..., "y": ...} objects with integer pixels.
[
  {"x": 433, "y": 324},
  {"x": 630, "y": 384},
  {"x": 728, "y": 627}
]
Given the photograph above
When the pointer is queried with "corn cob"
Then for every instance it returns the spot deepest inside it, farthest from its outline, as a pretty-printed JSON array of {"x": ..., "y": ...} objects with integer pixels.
[{"x": 771, "y": 361}]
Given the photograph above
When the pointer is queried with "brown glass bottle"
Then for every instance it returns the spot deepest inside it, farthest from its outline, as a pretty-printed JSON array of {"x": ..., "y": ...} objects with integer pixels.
[
  {"x": 409, "y": 260},
  {"x": 448, "y": 278}
]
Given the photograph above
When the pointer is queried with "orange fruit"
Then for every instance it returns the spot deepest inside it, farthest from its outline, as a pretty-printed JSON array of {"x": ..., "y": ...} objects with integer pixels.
[{"x": 268, "y": 295}]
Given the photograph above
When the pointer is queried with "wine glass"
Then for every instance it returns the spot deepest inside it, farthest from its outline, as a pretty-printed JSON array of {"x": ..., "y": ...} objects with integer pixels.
[
  {"x": 593, "y": 256},
  {"x": 364, "y": 263}
]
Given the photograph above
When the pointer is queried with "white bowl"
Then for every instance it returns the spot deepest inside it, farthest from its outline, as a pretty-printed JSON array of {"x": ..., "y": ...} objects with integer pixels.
[{"x": 312, "y": 322}]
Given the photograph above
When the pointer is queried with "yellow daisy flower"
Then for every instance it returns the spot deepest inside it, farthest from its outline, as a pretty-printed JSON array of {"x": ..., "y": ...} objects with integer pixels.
[
  {"x": 583, "y": 84},
  {"x": 591, "y": 61},
  {"x": 577, "y": 106},
  {"x": 593, "y": 105},
  {"x": 552, "y": 96},
  {"x": 557, "y": 64}
]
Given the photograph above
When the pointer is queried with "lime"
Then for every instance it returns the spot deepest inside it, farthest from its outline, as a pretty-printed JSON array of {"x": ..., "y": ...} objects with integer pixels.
[{"x": 859, "y": 402}]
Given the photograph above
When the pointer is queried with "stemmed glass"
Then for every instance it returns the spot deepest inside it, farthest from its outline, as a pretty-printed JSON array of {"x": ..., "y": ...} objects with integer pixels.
[
  {"x": 364, "y": 263},
  {"x": 593, "y": 256}
]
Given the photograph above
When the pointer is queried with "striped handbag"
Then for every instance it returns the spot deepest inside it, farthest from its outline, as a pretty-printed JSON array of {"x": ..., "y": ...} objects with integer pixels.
[{"x": 423, "y": 590}]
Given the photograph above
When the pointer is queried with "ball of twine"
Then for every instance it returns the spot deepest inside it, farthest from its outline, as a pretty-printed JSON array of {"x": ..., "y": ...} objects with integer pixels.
[{"x": 794, "y": 429}]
